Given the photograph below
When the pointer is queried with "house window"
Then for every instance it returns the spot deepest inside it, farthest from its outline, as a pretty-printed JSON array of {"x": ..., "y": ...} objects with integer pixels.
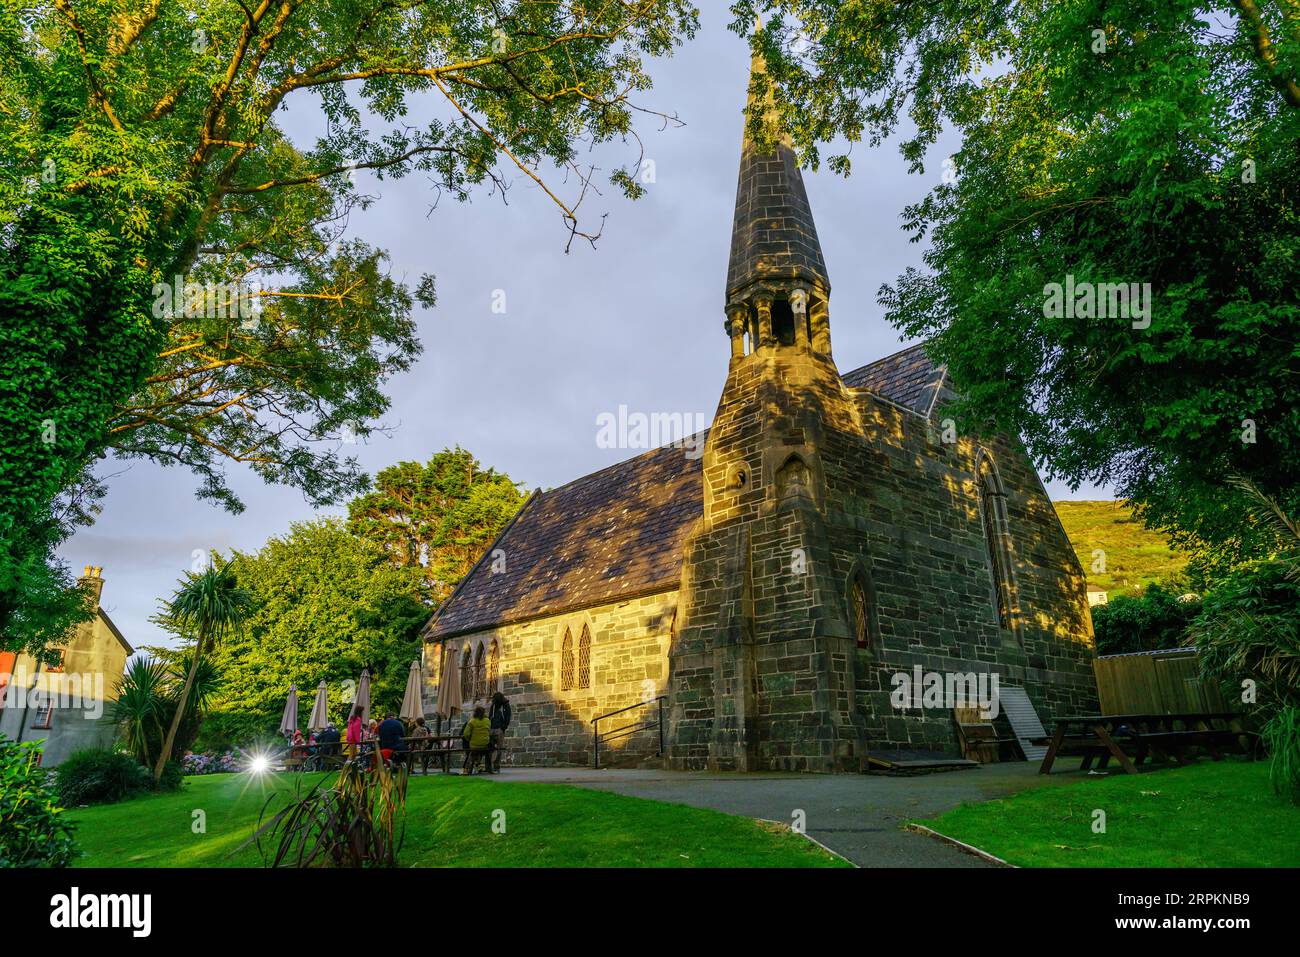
[
  {"x": 480, "y": 675},
  {"x": 584, "y": 659},
  {"x": 44, "y": 716},
  {"x": 566, "y": 661},
  {"x": 467, "y": 675},
  {"x": 996, "y": 539},
  {"x": 58, "y": 669},
  {"x": 858, "y": 607},
  {"x": 494, "y": 667}
]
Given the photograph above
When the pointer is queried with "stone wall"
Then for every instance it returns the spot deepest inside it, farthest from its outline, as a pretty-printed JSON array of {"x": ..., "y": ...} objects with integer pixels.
[
  {"x": 905, "y": 509},
  {"x": 629, "y": 664}
]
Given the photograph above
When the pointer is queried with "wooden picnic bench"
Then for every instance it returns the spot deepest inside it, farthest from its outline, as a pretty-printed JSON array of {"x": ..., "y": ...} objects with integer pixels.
[{"x": 1164, "y": 736}]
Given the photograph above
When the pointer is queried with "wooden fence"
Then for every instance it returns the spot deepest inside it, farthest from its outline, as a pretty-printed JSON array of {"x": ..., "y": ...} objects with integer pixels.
[{"x": 1158, "y": 682}]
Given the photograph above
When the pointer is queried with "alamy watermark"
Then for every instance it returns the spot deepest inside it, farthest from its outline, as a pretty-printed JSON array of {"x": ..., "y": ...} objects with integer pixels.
[
  {"x": 652, "y": 430},
  {"x": 1102, "y": 300},
  {"x": 945, "y": 690}
]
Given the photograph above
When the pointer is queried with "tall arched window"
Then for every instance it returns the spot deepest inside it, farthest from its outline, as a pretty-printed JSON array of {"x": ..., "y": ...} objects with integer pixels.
[
  {"x": 566, "y": 661},
  {"x": 494, "y": 667},
  {"x": 480, "y": 675},
  {"x": 993, "y": 513},
  {"x": 584, "y": 659},
  {"x": 858, "y": 609},
  {"x": 467, "y": 675}
]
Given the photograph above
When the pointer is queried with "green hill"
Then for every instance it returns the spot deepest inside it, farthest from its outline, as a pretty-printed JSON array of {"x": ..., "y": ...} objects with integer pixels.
[{"x": 1135, "y": 556}]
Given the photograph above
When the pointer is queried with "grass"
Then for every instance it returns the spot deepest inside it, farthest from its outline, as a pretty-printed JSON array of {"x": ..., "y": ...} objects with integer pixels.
[
  {"x": 1209, "y": 814},
  {"x": 448, "y": 824},
  {"x": 1135, "y": 556}
]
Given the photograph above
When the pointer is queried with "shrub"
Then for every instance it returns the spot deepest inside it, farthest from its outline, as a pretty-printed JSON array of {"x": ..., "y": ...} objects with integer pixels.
[
  {"x": 210, "y": 763},
  {"x": 33, "y": 830},
  {"x": 96, "y": 776},
  {"x": 173, "y": 777},
  {"x": 1282, "y": 736},
  {"x": 1156, "y": 620}
]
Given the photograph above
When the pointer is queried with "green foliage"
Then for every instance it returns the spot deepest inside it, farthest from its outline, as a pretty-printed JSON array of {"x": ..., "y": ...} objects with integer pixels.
[
  {"x": 1134, "y": 556},
  {"x": 1249, "y": 629},
  {"x": 438, "y": 517},
  {"x": 100, "y": 776},
  {"x": 1111, "y": 142},
  {"x": 1281, "y": 736},
  {"x": 141, "y": 150},
  {"x": 358, "y": 821},
  {"x": 326, "y": 605},
  {"x": 33, "y": 829},
  {"x": 147, "y": 696},
  {"x": 212, "y": 606},
  {"x": 1156, "y": 620}
]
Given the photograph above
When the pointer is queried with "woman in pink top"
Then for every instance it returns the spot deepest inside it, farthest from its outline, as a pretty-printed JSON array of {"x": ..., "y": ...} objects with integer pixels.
[{"x": 354, "y": 731}]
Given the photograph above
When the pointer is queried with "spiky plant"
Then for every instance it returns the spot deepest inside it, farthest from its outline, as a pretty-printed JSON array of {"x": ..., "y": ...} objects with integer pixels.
[
  {"x": 211, "y": 606},
  {"x": 140, "y": 705}
]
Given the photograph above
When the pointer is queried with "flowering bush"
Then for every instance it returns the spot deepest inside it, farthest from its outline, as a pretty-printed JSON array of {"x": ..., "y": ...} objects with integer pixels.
[{"x": 209, "y": 762}]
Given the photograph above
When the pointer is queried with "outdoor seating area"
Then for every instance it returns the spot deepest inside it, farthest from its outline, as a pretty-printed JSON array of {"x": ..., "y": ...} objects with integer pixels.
[
  {"x": 401, "y": 738},
  {"x": 1133, "y": 738}
]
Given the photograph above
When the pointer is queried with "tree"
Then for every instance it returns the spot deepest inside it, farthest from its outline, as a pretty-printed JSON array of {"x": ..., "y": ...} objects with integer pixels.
[
  {"x": 148, "y": 695},
  {"x": 326, "y": 605},
  {"x": 1108, "y": 148},
  {"x": 211, "y": 606},
  {"x": 1156, "y": 620},
  {"x": 174, "y": 280},
  {"x": 437, "y": 517}
]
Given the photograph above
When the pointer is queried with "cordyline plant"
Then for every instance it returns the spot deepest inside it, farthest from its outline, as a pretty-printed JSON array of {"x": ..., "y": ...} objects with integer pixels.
[
  {"x": 211, "y": 606},
  {"x": 150, "y": 198},
  {"x": 359, "y": 821}
]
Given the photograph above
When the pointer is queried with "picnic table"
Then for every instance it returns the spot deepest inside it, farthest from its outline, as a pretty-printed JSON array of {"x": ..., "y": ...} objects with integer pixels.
[{"x": 1101, "y": 737}]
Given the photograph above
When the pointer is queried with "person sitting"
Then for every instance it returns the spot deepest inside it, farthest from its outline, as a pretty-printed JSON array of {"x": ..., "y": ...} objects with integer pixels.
[
  {"x": 477, "y": 735},
  {"x": 327, "y": 742},
  {"x": 299, "y": 745},
  {"x": 420, "y": 746},
  {"x": 391, "y": 734}
]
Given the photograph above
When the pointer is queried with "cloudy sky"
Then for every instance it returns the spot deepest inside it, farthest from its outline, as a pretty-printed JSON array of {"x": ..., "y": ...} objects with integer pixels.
[{"x": 636, "y": 321}]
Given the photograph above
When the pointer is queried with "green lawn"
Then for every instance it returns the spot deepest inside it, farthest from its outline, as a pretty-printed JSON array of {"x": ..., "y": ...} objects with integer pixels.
[
  {"x": 449, "y": 824},
  {"x": 1209, "y": 814}
]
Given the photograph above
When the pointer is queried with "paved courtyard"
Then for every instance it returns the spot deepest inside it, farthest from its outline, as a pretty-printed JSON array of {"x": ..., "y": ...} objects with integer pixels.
[{"x": 857, "y": 815}]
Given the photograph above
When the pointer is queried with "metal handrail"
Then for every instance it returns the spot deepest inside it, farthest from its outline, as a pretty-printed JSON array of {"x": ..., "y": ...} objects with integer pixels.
[{"x": 628, "y": 729}]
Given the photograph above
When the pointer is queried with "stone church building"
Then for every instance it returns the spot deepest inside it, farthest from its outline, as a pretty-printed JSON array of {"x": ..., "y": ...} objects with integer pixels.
[{"x": 832, "y": 536}]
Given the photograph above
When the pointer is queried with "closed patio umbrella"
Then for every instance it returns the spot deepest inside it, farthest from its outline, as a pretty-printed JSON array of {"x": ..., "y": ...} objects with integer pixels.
[
  {"x": 363, "y": 695},
  {"x": 412, "y": 700},
  {"x": 448, "y": 685},
  {"x": 320, "y": 710},
  {"x": 289, "y": 720}
]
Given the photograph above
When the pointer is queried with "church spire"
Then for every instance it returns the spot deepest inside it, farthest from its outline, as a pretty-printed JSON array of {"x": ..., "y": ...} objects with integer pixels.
[{"x": 777, "y": 285}]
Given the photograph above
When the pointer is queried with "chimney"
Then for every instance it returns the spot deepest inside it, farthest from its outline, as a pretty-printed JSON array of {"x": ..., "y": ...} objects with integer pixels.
[{"x": 93, "y": 579}]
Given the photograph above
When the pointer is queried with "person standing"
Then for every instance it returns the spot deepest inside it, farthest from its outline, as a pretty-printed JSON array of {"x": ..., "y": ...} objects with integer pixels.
[
  {"x": 499, "y": 717},
  {"x": 354, "y": 732}
]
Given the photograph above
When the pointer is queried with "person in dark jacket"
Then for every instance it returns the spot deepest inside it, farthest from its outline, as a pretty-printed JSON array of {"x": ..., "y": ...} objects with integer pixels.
[
  {"x": 499, "y": 716},
  {"x": 327, "y": 742},
  {"x": 390, "y": 733}
]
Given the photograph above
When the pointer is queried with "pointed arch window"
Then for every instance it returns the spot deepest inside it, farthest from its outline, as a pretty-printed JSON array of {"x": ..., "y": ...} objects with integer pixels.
[
  {"x": 584, "y": 659},
  {"x": 993, "y": 514},
  {"x": 494, "y": 667},
  {"x": 480, "y": 674},
  {"x": 467, "y": 675},
  {"x": 566, "y": 661},
  {"x": 858, "y": 609}
]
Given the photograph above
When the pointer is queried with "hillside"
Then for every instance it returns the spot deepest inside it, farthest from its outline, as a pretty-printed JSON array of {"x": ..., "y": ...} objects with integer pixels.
[{"x": 1135, "y": 557}]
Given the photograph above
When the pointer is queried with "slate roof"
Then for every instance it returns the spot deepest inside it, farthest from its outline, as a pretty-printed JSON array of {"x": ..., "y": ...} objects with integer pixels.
[
  {"x": 906, "y": 378},
  {"x": 619, "y": 532}
]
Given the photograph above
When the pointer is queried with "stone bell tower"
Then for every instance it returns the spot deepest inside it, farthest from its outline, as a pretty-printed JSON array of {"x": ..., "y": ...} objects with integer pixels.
[{"x": 762, "y": 662}]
